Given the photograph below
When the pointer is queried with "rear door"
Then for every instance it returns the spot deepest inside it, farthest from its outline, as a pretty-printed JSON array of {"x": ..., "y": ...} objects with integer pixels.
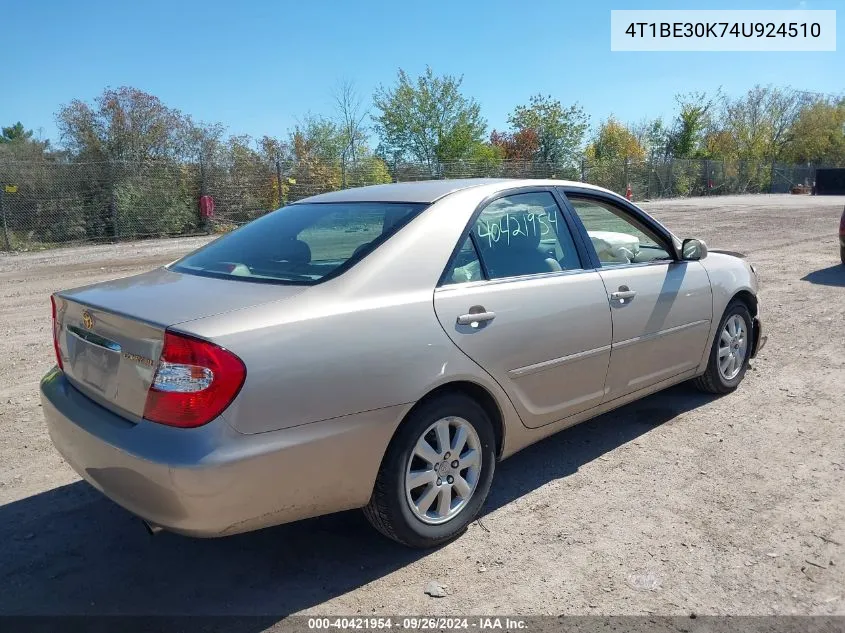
[
  {"x": 518, "y": 299},
  {"x": 661, "y": 307}
]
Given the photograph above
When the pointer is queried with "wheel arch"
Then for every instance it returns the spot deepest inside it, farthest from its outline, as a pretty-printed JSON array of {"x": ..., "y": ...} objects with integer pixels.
[
  {"x": 748, "y": 298},
  {"x": 722, "y": 300},
  {"x": 477, "y": 393}
]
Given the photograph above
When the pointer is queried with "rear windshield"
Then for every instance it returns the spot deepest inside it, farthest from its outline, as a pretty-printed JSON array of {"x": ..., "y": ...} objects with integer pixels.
[{"x": 300, "y": 243}]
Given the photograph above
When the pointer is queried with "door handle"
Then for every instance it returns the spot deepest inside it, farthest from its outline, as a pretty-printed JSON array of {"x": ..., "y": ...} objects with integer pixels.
[
  {"x": 474, "y": 318},
  {"x": 624, "y": 293}
]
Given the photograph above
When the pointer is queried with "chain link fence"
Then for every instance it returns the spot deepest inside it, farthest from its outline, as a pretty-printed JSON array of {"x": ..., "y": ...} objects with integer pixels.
[{"x": 44, "y": 203}]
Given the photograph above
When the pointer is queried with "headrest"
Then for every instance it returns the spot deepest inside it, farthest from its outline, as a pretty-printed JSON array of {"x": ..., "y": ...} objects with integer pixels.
[{"x": 295, "y": 251}]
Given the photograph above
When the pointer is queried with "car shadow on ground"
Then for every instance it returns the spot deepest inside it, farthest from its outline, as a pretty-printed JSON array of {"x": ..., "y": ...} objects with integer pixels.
[
  {"x": 830, "y": 276},
  {"x": 71, "y": 551}
]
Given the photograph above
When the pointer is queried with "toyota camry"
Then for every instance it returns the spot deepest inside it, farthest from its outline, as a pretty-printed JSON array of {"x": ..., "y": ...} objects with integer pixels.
[{"x": 382, "y": 348}]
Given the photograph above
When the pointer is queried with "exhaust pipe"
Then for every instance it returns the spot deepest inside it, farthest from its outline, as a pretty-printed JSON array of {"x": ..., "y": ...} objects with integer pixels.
[{"x": 151, "y": 528}]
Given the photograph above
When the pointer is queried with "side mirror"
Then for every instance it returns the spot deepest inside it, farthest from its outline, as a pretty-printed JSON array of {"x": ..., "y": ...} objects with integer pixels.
[{"x": 693, "y": 250}]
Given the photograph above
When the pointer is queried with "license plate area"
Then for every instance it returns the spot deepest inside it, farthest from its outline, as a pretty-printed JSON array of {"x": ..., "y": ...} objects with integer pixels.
[{"x": 94, "y": 360}]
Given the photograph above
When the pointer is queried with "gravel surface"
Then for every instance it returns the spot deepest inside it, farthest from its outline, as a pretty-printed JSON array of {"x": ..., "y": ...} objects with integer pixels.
[{"x": 678, "y": 503}]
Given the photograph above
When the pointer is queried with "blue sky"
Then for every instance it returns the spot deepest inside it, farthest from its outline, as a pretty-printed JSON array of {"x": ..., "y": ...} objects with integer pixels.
[{"x": 257, "y": 66}]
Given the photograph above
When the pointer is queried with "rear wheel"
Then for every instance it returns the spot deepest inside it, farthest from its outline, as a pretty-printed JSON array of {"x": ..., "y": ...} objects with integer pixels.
[
  {"x": 436, "y": 473},
  {"x": 730, "y": 351}
]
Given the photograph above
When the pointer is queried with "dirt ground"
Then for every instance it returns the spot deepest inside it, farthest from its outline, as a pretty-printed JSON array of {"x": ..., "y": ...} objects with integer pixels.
[{"x": 678, "y": 503}]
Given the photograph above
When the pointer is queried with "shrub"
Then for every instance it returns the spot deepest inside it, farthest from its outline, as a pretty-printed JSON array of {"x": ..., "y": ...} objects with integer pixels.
[{"x": 153, "y": 211}]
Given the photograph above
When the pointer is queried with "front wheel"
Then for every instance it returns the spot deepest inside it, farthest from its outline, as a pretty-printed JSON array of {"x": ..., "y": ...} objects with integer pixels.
[
  {"x": 730, "y": 352},
  {"x": 436, "y": 473}
]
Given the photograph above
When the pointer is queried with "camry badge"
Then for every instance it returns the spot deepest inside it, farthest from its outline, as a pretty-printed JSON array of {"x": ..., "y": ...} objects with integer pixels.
[{"x": 143, "y": 360}]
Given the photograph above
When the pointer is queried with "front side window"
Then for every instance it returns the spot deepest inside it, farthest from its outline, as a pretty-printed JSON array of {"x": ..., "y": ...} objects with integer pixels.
[
  {"x": 617, "y": 238},
  {"x": 300, "y": 243},
  {"x": 524, "y": 234}
]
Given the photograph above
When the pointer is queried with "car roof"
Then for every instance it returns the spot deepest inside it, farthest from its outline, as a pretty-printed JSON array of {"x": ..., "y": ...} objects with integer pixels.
[{"x": 427, "y": 191}]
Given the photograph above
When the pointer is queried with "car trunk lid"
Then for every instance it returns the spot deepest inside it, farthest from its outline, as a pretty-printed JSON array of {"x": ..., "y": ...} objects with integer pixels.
[{"x": 111, "y": 334}]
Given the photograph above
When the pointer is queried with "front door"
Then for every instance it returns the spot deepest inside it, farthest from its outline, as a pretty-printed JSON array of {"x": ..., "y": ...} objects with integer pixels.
[
  {"x": 518, "y": 301},
  {"x": 661, "y": 307}
]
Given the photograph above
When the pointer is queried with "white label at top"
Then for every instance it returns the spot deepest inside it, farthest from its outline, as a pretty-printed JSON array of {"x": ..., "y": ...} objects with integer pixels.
[{"x": 706, "y": 30}]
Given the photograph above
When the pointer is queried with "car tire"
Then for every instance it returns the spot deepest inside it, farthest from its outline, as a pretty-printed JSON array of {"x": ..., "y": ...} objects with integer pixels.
[
  {"x": 715, "y": 380},
  {"x": 392, "y": 509}
]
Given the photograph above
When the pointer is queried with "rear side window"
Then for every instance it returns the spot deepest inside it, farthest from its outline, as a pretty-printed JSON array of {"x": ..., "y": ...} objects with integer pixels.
[
  {"x": 524, "y": 234},
  {"x": 300, "y": 243},
  {"x": 466, "y": 265}
]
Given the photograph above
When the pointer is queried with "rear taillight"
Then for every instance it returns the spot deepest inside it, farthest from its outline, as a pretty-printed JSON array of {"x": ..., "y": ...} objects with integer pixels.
[
  {"x": 56, "y": 334},
  {"x": 195, "y": 381}
]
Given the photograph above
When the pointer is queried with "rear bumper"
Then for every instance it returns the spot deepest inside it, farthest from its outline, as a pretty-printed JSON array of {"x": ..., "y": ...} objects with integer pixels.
[{"x": 213, "y": 481}]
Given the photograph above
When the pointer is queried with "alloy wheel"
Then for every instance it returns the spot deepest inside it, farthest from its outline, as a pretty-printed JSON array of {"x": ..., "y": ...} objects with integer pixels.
[
  {"x": 443, "y": 470},
  {"x": 733, "y": 347}
]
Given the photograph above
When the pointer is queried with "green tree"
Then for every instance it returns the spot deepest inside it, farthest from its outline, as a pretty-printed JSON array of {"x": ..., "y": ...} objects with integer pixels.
[
  {"x": 560, "y": 131},
  {"x": 123, "y": 124},
  {"x": 427, "y": 119},
  {"x": 463, "y": 143},
  {"x": 135, "y": 144},
  {"x": 614, "y": 141},
  {"x": 653, "y": 135},
  {"x": 317, "y": 144},
  {"x": 202, "y": 143},
  {"x": 368, "y": 170},
  {"x": 687, "y": 136},
  {"x": 15, "y": 133},
  {"x": 818, "y": 134},
  {"x": 486, "y": 155},
  {"x": 759, "y": 125},
  {"x": 18, "y": 143},
  {"x": 245, "y": 184},
  {"x": 318, "y": 138}
]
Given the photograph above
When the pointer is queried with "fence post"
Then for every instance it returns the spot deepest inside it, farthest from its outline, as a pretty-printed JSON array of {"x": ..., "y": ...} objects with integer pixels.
[
  {"x": 6, "y": 242},
  {"x": 203, "y": 220},
  {"x": 625, "y": 171},
  {"x": 113, "y": 204},
  {"x": 279, "y": 178},
  {"x": 671, "y": 177}
]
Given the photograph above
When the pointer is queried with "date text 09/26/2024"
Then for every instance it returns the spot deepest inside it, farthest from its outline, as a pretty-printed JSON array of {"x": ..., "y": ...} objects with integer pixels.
[{"x": 418, "y": 623}]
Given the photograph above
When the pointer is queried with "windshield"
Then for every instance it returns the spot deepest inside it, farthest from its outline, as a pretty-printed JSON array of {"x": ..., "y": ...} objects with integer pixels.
[{"x": 300, "y": 243}]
